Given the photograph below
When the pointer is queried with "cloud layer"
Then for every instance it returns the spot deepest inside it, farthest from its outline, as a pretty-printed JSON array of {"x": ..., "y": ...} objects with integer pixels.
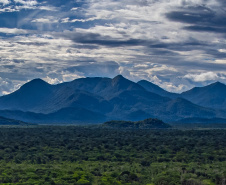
[{"x": 176, "y": 44}]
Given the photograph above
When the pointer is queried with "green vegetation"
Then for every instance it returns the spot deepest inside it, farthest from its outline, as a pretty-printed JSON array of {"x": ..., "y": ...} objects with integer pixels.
[
  {"x": 144, "y": 124},
  {"x": 101, "y": 156}
]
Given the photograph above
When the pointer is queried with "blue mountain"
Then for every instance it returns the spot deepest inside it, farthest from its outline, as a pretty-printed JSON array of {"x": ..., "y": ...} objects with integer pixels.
[
  {"x": 95, "y": 100},
  {"x": 212, "y": 96}
]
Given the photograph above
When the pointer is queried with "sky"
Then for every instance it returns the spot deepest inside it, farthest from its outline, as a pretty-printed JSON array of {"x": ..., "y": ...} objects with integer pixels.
[{"x": 176, "y": 44}]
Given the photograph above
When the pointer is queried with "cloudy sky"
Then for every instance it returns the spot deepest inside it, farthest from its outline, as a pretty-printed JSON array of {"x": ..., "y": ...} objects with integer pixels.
[{"x": 177, "y": 44}]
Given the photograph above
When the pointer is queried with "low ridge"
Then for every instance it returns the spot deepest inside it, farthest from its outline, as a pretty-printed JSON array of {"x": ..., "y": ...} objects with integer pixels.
[
  {"x": 144, "y": 124},
  {"x": 7, "y": 121}
]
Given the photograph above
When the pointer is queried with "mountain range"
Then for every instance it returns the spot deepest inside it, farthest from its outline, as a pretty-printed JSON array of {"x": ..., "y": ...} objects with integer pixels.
[
  {"x": 95, "y": 100},
  {"x": 212, "y": 96}
]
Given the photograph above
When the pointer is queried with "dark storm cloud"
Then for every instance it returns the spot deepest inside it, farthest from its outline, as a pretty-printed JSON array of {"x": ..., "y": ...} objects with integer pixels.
[
  {"x": 15, "y": 61},
  {"x": 216, "y": 54},
  {"x": 84, "y": 46},
  {"x": 178, "y": 46},
  {"x": 98, "y": 39},
  {"x": 223, "y": 2},
  {"x": 9, "y": 66},
  {"x": 200, "y": 18},
  {"x": 33, "y": 43},
  {"x": 205, "y": 29},
  {"x": 181, "y": 62},
  {"x": 197, "y": 65},
  {"x": 191, "y": 15},
  {"x": 18, "y": 61},
  {"x": 161, "y": 52}
]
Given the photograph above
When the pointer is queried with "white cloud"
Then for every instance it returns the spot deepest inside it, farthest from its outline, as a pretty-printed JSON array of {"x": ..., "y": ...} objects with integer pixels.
[
  {"x": 52, "y": 80},
  {"x": 222, "y": 50},
  {"x": 65, "y": 20},
  {"x": 75, "y": 8},
  {"x": 13, "y": 31},
  {"x": 27, "y": 3},
  {"x": 202, "y": 77},
  {"x": 49, "y": 19},
  {"x": 220, "y": 61},
  {"x": 5, "y": 2},
  {"x": 70, "y": 76},
  {"x": 48, "y": 8},
  {"x": 6, "y": 86},
  {"x": 164, "y": 59},
  {"x": 169, "y": 86}
]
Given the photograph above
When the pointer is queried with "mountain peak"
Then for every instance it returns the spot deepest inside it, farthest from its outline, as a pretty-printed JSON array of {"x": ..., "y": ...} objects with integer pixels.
[
  {"x": 118, "y": 77},
  {"x": 35, "y": 83},
  {"x": 218, "y": 84},
  {"x": 212, "y": 95}
]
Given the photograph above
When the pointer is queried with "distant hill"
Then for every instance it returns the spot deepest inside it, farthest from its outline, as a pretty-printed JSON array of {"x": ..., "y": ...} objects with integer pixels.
[
  {"x": 213, "y": 95},
  {"x": 70, "y": 115},
  {"x": 95, "y": 100},
  {"x": 203, "y": 120},
  {"x": 6, "y": 121},
  {"x": 145, "y": 124},
  {"x": 185, "y": 109},
  {"x": 32, "y": 94}
]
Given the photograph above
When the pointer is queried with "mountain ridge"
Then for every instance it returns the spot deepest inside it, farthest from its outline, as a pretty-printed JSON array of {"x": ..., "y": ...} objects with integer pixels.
[
  {"x": 212, "y": 95},
  {"x": 7, "y": 121},
  {"x": 101, "y": 99}
]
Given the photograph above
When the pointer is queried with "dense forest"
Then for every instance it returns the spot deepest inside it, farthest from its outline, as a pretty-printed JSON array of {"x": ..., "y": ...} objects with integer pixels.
[{"x": 100, "y": 156}]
